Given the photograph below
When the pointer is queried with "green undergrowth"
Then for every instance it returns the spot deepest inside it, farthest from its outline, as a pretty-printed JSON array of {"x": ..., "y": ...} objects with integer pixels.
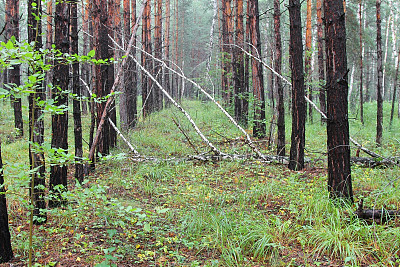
[{"x": 172, "y": 212}]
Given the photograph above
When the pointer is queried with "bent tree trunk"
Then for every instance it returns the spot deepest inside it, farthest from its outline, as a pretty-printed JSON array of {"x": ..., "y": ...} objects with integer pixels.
[
  {"x": 298, "y": 102},
  {"x": 339, "y": 174},
  {"x": 5, "y": 240}
]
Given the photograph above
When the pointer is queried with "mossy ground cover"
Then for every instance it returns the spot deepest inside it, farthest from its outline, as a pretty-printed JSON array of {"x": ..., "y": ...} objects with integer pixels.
[{"x": 174, "y": 212}]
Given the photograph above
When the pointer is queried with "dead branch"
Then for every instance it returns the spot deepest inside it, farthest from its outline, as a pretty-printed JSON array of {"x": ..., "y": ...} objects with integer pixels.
[
  {"x": 377, "y": 215},
  {"x": 184, "y": 134}
]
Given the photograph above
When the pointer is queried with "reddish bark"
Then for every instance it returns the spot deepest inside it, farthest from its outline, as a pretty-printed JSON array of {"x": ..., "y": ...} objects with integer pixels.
[
  {"x": 379, "y": 89},
  {"x": 321, "y": 66}
]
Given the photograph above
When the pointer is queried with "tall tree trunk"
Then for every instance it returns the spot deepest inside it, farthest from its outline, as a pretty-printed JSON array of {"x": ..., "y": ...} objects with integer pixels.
[
  {"x": 58, "y": 172},
  {"x": 85, "y": 47},
  {"x": 339, "y": 173},
  {"x": 227, "y": 29},
  {"x": 167, "y": 83},
  {"x": 389, "y": 20},
  {"x": 49, "y": 43},
  {"x": 259, "y": 129},
  {"x": 247, "y": 66},
  {"x": 396, "y": 77},
  {"x": 321, "y": 66},
  {"x": 12, "y": 29},
  {"x": 379, "y": 89},
  {"x": 113, "y": 25},
  {"x": 36, "y": 124},
  {"x": 102, "y": 87},
  {"x": 280, "y": 148},
  {"x": 158, "y": 96},
  {"x": 361, "y": 65},
  {"x": 76, "y": 90},
  {"x": 6, "y": 253},
  {"x": 298, "y": 102},
  {"x": 308, "y": 56},
  {"x": 147, "y": 62},
  {"x": 241, "y": 97}
]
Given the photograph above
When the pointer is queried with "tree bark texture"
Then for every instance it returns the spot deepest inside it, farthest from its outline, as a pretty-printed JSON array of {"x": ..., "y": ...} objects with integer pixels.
[
  {"x": 102, "y": 86},
  {"x": 6, "y": 253},
  {"x": 36, "y": 124},
  {"x": 147, "y": 93},
  {"x": 321, "y": 65},
  {"x": 298, "y": 102},
  {"x": 59, "y": 140},
  {"x": 259, "y": 129},
  {"x": 158, "y": 47},
  {"x": 361, "y": 65},
  {"x": 395, "y": 85},
  {"x": 76, "y": 90},
  {"x": 339, "y": 173},
  {"x": 307, "y": 59},
  {"x": 167, "y": 83},
  {"x": 278, "y": 82},
  {"x": 241, "y": 96},
  {"x": 227, "y": 29},
  {"x": 379, "y": 89},
  {"x": 12, "y": 29}
]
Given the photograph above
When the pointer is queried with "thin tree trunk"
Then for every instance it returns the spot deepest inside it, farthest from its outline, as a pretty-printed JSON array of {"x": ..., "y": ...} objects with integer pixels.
[
  {"x": 308, "y": 56},
  {"x": 12, "y": 29},
  {"x": 76, "y": 90},
  {"x": 321, "y": 66},
  {"x": 85, "y": 66},
  {"x": 147, "y": 95},
  {"x": 6, "y": 253},
  {"x": 158, "y": 96},
  {"x": 280, "y": 148},
  {"x": 361, "y": 65},
  {"x": 379, "y": 89},
  {"x": 58, "y": 172},
  {"x": 298, "y": 102},
  {"x": 385, "y": 56},
  {"x": 396, "y": 77},
  {"x": 167, "y": 83},
  {"x": 259, "y": 128},
  {"x": 339, "y": 173},
  {"x": 49, "y": 43},
  {"x": 226, "y": 50}
]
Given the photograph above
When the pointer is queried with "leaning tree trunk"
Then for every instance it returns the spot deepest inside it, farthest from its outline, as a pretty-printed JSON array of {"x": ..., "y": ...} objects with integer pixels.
[
  {"x": 6, "y": 253},
  {"x": 58, "y": 172},
  {"x": 278, "y": 82},
  {"x": 259, "y": 129},
  {"x": 339, "y": 173},
  {"x": 76, "y": 90},
  {"x": 321, "y": 66},
  {"x": 379, "y": 89},
  {"x": 36, "y": 124},
  {"x": 12, "y": 29},
  {"x": 298, "y": 102}
]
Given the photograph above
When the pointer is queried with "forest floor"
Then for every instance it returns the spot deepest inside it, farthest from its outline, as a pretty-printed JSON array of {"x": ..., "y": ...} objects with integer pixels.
[{"x": 173, "y": 212}]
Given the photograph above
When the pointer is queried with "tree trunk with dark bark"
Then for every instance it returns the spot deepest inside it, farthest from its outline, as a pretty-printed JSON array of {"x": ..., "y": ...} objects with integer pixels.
[
  {"x": 102, "y": 87},
  {"x": 36, "y": 124},
  {"x": 167, "y": 83},
  {"x": 361, "y": 66},
  {"x": 395, "y": 85},
  {"x": 308, "y": 55},
  {"x": 14, "y": 76},
  {"x": 379, "y": 89},
  {"x": 58, "y": 172},
  {"x": 241, "y": 96},
  {"x": 6, "y": 253},
  {"x": 226, "y": 51},
  {"x": 158, "y": 46},
  {"x": 339, "y": 173},
  {"x": 259, "y": 129},
  {"x": 298, "y": 102},
  {"x": 147, "y": 62},
  {"x": 76, "y": 90},
  {"x": 280, "y": 148}
]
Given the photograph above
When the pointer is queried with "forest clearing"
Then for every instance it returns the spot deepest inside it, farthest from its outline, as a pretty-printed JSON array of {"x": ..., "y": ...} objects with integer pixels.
[{"x": 199, "y": 133}]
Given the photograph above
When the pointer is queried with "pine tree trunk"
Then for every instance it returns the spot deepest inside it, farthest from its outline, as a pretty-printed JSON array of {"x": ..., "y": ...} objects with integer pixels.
[
  {"x": 113, "y": 24},
  {"x": 259, "y": 129},
  {"x": 12, "y": 29},
  {"x": 167, "y": 83},
  {"x": 36, "y": 124},
  {"x": 298, "y": 102},
  {"x": 280, "y": 149},
  {"x": 321, "y": 66},
  {"x": 308, "y": 56},
  {"x": 6, "y": 253},
  {"x": 227, "y": 30},
  {"x": 102, "y": 87},
  {"x": 58, "y": 173},
  {"x": 339, "y": 173},
  {"x": 379, "y": 89},
  {"x": 147, "y": 62},
  {"x": 240, "y": 94},
  {"x": 361, "y": 65},
  {"x": 76, "y": 90},
  {"x": 49, "y": 43},
  {"x": 395, "y": 84},
  {"x": 158, "y": 96},
  {"x": 85, "y": 66}
]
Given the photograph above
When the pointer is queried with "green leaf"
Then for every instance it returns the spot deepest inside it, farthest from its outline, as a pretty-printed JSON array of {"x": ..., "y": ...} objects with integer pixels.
[
  {"x": 147, "y": 227},
  {"x": 91, "y": 53}
]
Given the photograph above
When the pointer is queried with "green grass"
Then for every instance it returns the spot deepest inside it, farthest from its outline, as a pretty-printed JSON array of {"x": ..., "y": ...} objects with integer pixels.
[{"x": 187, "y": 213}]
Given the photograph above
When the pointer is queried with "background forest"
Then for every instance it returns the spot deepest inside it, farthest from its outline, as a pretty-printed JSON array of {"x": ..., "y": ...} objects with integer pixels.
[{"x": 199, "y": 133}]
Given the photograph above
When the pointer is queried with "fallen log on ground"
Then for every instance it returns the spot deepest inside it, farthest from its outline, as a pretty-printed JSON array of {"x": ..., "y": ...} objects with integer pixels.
[
  {"x": 377, "y": 215},
  {"x": 375, "y": 162}
]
